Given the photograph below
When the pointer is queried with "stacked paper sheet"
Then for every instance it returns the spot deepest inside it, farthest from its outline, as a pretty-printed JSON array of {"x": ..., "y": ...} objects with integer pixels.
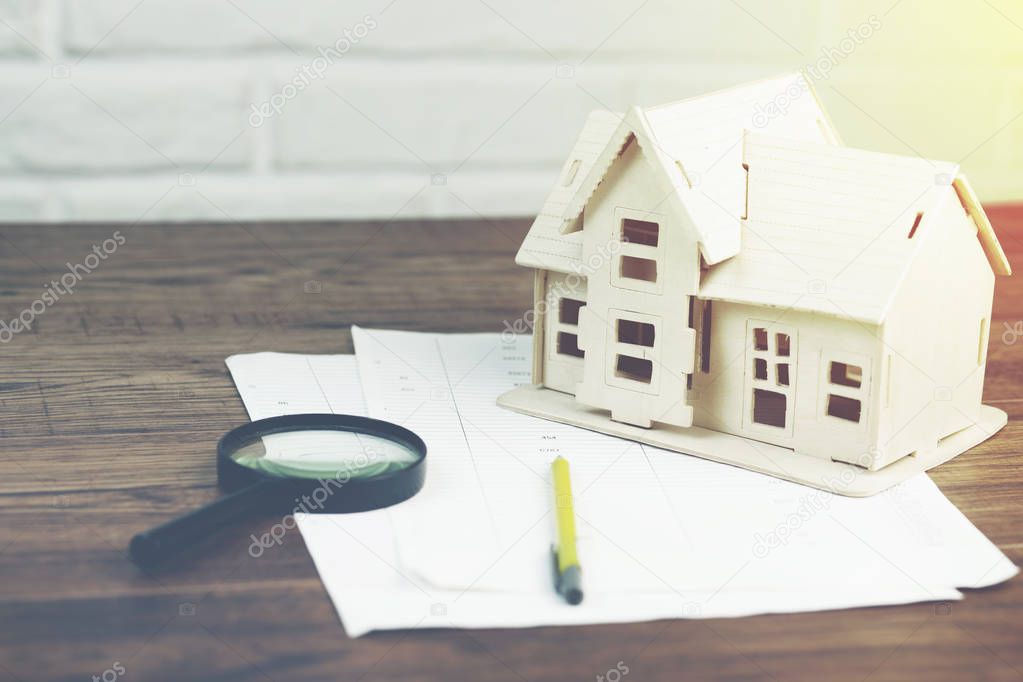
[{"x": 661, "y": 534}]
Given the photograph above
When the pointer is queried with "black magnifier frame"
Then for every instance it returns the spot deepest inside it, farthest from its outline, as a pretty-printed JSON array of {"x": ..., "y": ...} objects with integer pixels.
[{"x": 254, "y": 491}]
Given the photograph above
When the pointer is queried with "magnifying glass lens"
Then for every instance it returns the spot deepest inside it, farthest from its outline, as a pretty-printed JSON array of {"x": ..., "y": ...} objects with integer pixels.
[
  {"x": 343, "y": 463},
  {"x": 322, "y": 454}
]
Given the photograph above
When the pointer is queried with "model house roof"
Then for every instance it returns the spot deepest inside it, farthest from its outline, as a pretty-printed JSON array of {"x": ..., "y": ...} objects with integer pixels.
[
  {"x": 833, "y": 230},
  {"x": 696, "y": 147}
]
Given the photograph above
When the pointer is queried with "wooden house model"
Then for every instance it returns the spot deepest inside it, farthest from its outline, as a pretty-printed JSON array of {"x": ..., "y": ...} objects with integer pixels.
[{"x": 722, "y": 277}]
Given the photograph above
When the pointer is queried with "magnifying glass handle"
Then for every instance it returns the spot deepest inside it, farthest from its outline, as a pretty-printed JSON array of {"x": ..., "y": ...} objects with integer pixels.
[{"x": 169, "y": 540}]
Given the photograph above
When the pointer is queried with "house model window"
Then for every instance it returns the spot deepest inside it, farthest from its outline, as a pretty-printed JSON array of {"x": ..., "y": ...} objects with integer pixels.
[
  {"x": 636, "y": 333},
  {"x": 640, "y": 232},
  {"x": 639, "y": 260},
  {"x": 634, "y": 369},
  {"x": 845, "y": 391},
  {"x": 633, "y": 348},
  {"x": 573, "y": 170},
  {"x": 568, "y": 327},
  {"x": 627, "y": 365},
  {"x": 638, "y": 268}
]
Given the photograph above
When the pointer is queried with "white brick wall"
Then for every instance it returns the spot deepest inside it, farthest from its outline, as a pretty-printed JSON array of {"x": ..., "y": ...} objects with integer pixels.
[{"x": 118, "y": 109}]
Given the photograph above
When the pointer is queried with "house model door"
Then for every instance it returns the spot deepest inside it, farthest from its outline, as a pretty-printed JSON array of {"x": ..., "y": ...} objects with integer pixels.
[
  {"x": 639, "y": 345},
  {"x": 770, "y": 379}
]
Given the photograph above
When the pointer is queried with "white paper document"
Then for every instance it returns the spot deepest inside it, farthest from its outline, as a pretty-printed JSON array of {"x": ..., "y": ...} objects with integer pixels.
[{"x": 661, "y": 534}]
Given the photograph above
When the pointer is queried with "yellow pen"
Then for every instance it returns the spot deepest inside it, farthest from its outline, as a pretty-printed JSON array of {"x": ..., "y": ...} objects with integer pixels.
[{"x": 568, "y": 579}]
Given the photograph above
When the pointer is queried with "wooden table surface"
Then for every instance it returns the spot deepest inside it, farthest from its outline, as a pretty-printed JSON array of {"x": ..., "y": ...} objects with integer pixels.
[{"x": 111, "y": 403}]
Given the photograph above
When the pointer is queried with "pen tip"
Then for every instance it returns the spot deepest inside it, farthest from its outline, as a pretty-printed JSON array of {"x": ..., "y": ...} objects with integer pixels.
[{"x": 574, "y": 596}]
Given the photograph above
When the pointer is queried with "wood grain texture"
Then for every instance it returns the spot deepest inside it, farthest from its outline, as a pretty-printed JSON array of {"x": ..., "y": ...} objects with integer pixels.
[{"x": 111, "y": 404}]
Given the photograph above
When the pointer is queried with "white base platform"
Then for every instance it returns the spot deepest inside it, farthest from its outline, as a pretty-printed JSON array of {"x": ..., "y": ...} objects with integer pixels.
[{"x": 836, "y": 477}]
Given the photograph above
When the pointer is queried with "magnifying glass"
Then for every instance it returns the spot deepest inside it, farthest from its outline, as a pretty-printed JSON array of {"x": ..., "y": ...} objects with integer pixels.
[{"x": 315, "y": 463}]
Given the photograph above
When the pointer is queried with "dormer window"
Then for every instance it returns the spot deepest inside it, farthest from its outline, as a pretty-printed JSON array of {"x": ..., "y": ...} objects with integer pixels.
[
  {"x": 638, "y": 268},
  {"x": 640, "y": 232},
  {"x": 640, "y": 250}
]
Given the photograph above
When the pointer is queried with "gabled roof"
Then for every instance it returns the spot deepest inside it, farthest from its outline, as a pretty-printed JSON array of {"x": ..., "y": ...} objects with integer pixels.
[
  {"x": 547, "y": 245},
  {"x": 695, "y": 145},
  {"x": 828, "y": 227}
]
